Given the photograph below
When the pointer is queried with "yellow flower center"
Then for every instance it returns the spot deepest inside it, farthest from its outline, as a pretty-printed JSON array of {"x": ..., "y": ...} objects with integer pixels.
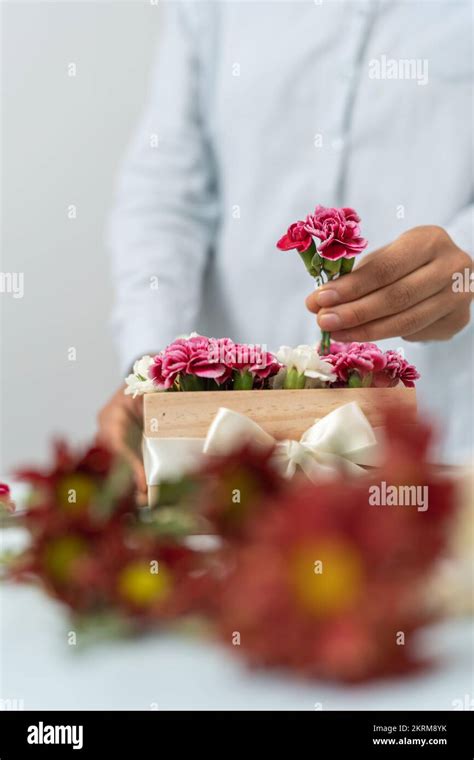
[
  {"x": 74, "y": 492},
  {"x": 61, "y": 553},
  {"x": 237, "y": 491},
  {"x": 326, "y": 576},
  {"x": 139, "y": 584}
]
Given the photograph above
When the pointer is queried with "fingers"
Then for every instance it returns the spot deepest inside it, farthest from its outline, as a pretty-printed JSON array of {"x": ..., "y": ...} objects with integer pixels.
[
  {"x": 138, "y": 470},
  {"x": 114, "y": 436},
  {"x": 120, "y": 431},
  {"x": 409, "y": 322},
  {"x": 377, "y": 270},
  {"x": 404, "y": 289},
  {"x": 393, "y": 299},
  {"x": 445, "y": 328}
]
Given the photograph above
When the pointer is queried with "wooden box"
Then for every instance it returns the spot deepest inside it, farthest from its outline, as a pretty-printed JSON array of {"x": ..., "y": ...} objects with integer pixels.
[{"x": 282, "y": 413}]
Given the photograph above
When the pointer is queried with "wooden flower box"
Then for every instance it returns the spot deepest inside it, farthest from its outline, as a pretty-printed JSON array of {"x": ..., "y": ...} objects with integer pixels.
[{"x": 282, "y": 413}]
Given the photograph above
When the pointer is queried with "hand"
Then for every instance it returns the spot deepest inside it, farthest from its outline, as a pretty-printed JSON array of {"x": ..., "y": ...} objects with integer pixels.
[
  {"x": 403, "y": 289},
  {"x": 120, "y": 430}
]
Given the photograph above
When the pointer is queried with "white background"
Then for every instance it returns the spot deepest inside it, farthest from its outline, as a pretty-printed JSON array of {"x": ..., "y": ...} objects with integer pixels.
[{"x": 62, "y": 140}]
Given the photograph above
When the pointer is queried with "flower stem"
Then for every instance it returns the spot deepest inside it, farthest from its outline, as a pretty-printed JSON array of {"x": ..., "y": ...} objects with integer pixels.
[
  {"x": 333, "y": 270},
  {"x": 294, "y": 379},
  {"x": 325, "y": 345},
  {"x": 243, "y": 381},
  {"x": 191, "y": 383}
]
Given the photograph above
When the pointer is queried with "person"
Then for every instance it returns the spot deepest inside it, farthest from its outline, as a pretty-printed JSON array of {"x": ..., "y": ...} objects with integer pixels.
[{"x": 260, "y": 111}]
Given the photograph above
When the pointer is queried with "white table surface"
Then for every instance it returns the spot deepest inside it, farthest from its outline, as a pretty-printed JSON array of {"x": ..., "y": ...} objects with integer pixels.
[
  {"x": 167, "y": 671},
  {"x": 171, "y": 672}
]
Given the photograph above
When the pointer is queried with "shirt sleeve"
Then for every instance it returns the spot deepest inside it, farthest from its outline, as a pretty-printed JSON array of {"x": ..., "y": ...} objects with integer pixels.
[{"x": 162, "y": 224}]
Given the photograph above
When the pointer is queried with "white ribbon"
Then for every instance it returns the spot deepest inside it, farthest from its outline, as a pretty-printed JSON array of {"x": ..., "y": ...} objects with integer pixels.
[{"x": 343, "y": 440}]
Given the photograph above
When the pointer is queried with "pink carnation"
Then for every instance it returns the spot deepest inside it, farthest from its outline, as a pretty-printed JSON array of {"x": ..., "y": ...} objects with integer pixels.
[
  {"x": 190, "y": 356},
  {"x": 297, "y": 237},
  {"x": 210, "y": 358},
  {"x": 338, "y": 232},
  {"x": 203, "y": 362},
  {"x": 387, "y": 369},
  {"x": 397, "y": 369},
  {"x": 256, "y": 360},
  {"x": 363, "y": 358},
  {"x": 156, "y": 373}
]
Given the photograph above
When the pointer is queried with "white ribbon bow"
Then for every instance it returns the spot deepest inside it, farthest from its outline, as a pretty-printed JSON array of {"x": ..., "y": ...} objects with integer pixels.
[{"x": 344, "y": 439}]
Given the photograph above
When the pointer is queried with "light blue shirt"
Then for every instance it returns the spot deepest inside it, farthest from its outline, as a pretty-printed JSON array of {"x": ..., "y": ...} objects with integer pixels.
[{"x": 258, "y": 112}]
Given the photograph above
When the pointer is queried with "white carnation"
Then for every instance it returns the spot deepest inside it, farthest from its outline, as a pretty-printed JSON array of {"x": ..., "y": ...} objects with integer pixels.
[
  {"x": 138, "y": 382},
  {"x": 307, "y": 362}
]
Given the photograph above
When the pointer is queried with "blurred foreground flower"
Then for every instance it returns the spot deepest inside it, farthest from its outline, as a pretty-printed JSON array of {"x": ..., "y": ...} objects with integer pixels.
[
  {"x": 92, "y": 549},
  {"x": 329, "y": 585},
  {"x": 323, "y": 580},
  {"x": 236, "y": 488}
]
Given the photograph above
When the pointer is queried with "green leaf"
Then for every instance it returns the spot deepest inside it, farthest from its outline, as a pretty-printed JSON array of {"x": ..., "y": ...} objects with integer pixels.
[
  {"x": 173, "y": 522},
  {"x": 175, "y": 491},
  {"x": 191, "y": 383},
  {"x": 316, "y": 265},
  {"x": 332, "y": 267},
  {"x": 346, "y": 266},
  {"x": 355, "y": 381},
  {"x": 93, "y": 628},
  {"x": 119, "y": 483},
  {"x": 307, "y": 257}
]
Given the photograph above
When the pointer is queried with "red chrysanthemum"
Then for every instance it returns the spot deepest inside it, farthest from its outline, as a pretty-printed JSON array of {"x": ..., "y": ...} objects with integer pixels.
[
  {"x": 234, "y": 489},
  {"x": 329, "y": 585},
  {"x": 90, "y": 550}
]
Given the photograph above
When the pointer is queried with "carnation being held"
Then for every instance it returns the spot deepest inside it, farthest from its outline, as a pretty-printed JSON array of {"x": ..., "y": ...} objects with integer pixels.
[
  {"x": 338, "y": 231},
  {"x": 297, "y": 236},
  {"x": 339, "y": 242}
]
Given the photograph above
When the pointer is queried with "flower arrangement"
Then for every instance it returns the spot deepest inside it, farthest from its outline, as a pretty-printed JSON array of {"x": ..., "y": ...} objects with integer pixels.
[
  {"x": 313, "y": 577},
  {"x": 198, "y": 363},
  {"x": 339, "y": 242}
]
